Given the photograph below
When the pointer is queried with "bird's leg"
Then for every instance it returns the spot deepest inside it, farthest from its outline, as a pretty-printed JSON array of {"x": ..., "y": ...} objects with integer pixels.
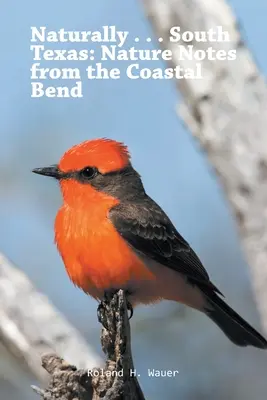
[
  {"x": 128, "y": 304},
  {"x": 103, "y": 306},
  {"x": 129, "y": 308},
  {"x": 100, "y": 312}
]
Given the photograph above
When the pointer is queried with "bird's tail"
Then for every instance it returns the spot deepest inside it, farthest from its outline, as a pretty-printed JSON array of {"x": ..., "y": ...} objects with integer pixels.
[{"x": 234, "y": 327}]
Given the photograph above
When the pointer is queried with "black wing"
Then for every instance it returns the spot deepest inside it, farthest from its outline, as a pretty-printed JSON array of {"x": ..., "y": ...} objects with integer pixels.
[{"x": 146, "y": 227}]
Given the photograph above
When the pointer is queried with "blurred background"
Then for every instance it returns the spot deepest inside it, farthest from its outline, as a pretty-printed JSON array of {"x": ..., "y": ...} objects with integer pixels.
[{"x": 36, "y": 132}]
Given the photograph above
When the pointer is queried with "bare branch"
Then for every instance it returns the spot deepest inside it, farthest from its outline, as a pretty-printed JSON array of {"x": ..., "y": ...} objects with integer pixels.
[
  {"x": 226, "y": 112},
  {"x": 30, "y": 326}
]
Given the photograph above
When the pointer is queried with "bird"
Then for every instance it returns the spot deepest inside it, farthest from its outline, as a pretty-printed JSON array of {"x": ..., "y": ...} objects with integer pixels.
[{"x": 111, "y": 235}]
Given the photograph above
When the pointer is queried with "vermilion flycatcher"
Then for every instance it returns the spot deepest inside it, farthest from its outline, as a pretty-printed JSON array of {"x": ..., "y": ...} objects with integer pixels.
[{"x": 112, "y": 235}]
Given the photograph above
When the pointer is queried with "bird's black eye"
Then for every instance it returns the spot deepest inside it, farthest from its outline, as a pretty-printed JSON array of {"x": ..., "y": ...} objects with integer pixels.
[{"x": 88, "y": 172}]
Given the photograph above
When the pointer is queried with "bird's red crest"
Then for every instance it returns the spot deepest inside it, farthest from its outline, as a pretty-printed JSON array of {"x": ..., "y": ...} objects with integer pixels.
[{"x": 105, "y": 154}]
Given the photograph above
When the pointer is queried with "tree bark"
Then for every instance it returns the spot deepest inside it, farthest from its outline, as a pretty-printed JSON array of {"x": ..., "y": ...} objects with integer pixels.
[
  {"x": 30, "y": 326},
  {"x": 226, "y": 112},
  {"x": 116, "y": 381}
]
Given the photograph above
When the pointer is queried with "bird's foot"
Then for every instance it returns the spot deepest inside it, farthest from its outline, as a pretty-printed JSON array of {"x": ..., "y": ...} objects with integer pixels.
[
  {"x": 129, "y": 308},
  {"x": 128, "y": 303},
  {"x": 103, "y": 306},
  {"x": 101, "y": 313}
]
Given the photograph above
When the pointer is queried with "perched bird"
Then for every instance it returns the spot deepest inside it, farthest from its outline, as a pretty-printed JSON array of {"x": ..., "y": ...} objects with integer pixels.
[{"x": 112, "y": 235}]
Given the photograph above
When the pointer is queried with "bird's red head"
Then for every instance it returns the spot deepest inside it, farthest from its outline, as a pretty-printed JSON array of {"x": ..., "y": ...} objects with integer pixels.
[
  {"x": 92, "y": 169},
  {"x": 104, "y": 154}
]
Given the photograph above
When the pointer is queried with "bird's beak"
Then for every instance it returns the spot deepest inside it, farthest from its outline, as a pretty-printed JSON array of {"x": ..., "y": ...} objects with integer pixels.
[{"x": 52, "y": 171}]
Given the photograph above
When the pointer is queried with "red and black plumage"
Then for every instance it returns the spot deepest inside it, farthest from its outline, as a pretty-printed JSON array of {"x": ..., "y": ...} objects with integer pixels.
[{"x": 112, "y": 235}]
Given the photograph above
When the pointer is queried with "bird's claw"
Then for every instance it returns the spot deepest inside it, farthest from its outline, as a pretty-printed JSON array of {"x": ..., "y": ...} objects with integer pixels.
[
  {"x": 129, "y": 308},
  {"x": 102, "y": 307},
  {"x": 100, "y": 314}
]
